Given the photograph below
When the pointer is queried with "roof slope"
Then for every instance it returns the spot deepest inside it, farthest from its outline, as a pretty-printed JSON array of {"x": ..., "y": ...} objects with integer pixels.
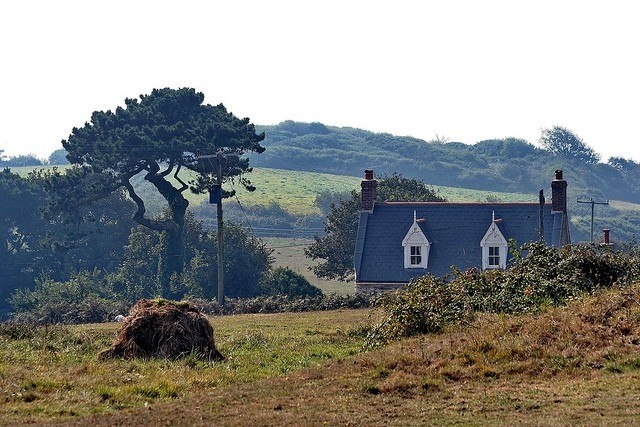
[{"x": 453, "y": 229}]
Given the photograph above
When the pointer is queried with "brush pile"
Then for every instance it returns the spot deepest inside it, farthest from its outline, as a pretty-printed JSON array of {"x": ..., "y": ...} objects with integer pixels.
[{"x": 164, "y": 329}]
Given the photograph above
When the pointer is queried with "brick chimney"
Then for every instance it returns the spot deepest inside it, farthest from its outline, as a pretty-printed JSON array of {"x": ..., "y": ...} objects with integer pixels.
[
  {"x": 369, "y": 191},
  {"x": 558, "y": 193},
  {"x": 606, "y": 238}
]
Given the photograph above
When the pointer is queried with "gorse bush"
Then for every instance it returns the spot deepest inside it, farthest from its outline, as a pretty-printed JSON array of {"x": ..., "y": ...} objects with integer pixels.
[
  {"x": 428, "y": 305},
  {"x": 539, "y": 276}
]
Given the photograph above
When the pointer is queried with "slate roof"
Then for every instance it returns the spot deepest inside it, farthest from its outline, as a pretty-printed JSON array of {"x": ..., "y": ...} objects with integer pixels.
[{"x": 454, "y": 231}]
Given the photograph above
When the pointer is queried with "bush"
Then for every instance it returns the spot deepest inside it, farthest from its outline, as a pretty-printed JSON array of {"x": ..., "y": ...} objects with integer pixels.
[
  {"x": 284, "y": 281},
  {"x": 426, "y": 305},
  {"x": 81, "y": 299},
  {"x": 539, "y": 276}
]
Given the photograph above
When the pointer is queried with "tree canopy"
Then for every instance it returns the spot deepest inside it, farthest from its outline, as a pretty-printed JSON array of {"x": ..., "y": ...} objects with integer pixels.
[
  {"x": 158, "y": 135},
  {"x": 563, "y": 142}
]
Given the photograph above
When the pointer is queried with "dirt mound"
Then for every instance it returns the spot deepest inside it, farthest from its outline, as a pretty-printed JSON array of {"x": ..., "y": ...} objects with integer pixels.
[{"x": 163, "y": 329}]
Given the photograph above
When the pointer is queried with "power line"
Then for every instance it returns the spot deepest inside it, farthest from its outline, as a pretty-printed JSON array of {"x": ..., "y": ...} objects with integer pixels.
[{"x": 592, "y": 202}]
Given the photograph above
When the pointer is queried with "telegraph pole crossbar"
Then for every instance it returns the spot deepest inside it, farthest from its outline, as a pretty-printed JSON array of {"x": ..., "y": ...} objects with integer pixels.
[{"x": 592, "y": 202}]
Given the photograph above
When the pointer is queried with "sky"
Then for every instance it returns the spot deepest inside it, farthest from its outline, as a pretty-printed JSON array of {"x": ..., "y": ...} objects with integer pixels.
[{"x": 460, "y": 70}]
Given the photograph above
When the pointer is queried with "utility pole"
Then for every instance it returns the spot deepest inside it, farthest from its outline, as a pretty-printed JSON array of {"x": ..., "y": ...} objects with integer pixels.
[
  {"x": 219, "y": 158},
  {"x": 592, "y": 204},
  {"x": 215, "y": 196}
]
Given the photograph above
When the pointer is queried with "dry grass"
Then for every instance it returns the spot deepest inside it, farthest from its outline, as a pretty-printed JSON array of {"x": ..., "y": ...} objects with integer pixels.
[
  {"x": 165, "y": 329},
  {"x": 574, "y": 366}
]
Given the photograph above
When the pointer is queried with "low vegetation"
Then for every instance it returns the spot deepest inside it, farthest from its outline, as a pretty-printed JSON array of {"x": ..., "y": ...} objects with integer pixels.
[
  {"x": 539, "y": 277},
  {"x": 572, "y": 365}
]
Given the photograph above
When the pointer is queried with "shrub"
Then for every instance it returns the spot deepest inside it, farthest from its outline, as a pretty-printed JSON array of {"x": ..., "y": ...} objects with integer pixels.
[
  {"x": 426, "y": 305},
  {"x": 84, "y": 298},
  {"x": 539, "y": 276},
  {"x": 284, "y": 281}
]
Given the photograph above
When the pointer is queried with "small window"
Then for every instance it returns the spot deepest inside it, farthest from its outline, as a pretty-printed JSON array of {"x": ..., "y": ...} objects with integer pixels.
[
  {"x": 494, "y": 246},
  {"x": 494, "y": 256},
  {"x": 415, "y": 246},
  {"x": 416, "y": 255}
]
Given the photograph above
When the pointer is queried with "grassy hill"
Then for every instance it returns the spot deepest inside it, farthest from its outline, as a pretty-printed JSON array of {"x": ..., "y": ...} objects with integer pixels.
[{"x": 295, "y": 192}]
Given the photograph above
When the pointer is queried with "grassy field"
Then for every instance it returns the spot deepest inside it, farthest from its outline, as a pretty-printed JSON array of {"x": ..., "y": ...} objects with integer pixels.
[
  {"x": 574, "y": 366},
  {"x": 290, "y": 253}
]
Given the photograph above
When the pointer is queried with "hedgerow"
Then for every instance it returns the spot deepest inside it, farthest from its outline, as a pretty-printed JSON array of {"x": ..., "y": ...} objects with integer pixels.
[{"x": 539, "y": 276}]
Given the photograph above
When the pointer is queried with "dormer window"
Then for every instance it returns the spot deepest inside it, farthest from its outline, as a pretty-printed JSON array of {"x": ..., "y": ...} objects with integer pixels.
[
  {"x": 416, "y": 246},
  {"x": 494, "y": 247}
]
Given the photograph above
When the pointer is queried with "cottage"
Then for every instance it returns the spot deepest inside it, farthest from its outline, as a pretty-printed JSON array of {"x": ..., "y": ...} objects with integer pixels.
[{"x": 398, "y": 241}]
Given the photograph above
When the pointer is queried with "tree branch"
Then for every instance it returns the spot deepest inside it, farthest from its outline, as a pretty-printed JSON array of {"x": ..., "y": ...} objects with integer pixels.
[
  {"x": 184, "y": 185},
  {"x": 139, "y": 215}
]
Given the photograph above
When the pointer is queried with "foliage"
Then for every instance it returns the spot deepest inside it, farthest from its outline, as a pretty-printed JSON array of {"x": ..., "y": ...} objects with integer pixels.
[
  {"x": 397, "y": 188},
  {"x": 156, "y": 136},
  {"x": 284, "y": 281},
  {"x": 283, "y": 304},
  {"x": 246, "y": 259},
  {"x": 19, "y": 161},
  {"x": 427, "y": 305},
  {"x": 563, "y": 142},
  {"x": 20, "y": 228},
  {"x": 540, "y": 276},
  {"x": 84, "y": 298},
  {"x": 337, "y": 245},
  {"x": 58, "y": 157}
]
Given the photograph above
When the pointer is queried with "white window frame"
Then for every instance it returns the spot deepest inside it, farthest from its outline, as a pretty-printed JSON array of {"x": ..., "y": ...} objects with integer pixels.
[
  {"x": 413, "y": 241},
  {"x": 492, "y": 239}
]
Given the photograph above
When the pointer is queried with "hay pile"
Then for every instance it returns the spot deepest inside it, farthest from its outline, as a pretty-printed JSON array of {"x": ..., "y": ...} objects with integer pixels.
[{"x": 163, "y": 329}]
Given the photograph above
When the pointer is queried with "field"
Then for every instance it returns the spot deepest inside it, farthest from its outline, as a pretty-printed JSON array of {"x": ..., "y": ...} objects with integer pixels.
[
  {"x": 574, "y": 366},
  {"x": 290, "y": 253}
]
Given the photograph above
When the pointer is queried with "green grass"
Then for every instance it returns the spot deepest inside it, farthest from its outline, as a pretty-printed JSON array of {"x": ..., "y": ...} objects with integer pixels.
[
  {"x": 563, "y": 366},
  {"x": 56, "y": 367},
  {"x": 295, "y": 191}
]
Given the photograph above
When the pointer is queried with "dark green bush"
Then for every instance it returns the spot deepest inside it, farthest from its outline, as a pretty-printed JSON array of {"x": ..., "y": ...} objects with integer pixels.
[
  {"x": 284, "y": 281},
  {"x": 426, "y": 305}
]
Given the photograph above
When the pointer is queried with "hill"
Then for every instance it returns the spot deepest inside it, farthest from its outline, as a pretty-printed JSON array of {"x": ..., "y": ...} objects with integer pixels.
[
  {"x": 499, "y": 165},
  {"x": 508, "y": 164},
  {"x": 303, "y": 160}
]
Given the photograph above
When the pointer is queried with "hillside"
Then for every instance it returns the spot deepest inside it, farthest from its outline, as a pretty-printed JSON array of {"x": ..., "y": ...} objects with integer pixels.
[
  {"x": 497, "y": 166},
  {"x": 303, "y": 160}
]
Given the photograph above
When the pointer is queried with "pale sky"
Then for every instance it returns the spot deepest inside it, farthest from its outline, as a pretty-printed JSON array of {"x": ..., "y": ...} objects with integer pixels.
[{"x": 462, "y": 70}]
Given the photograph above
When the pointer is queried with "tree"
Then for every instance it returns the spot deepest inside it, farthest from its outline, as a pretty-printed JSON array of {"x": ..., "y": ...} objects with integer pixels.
[
  {"x": 563, "y": 142},
  {"x": 336, "y": 247},
  {"x": 20, "y": 161},
  {"x": 247, "y": 259},
  {"x": 157, "y": 136},
  {"x": 58, "y": 157},
  {"x": 20, "y": 230}
]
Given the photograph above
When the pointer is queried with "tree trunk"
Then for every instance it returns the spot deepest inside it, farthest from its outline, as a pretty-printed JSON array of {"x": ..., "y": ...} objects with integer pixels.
[
  {"x": 171, "y": 263},
  {"x": 172, "y": 254}
]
